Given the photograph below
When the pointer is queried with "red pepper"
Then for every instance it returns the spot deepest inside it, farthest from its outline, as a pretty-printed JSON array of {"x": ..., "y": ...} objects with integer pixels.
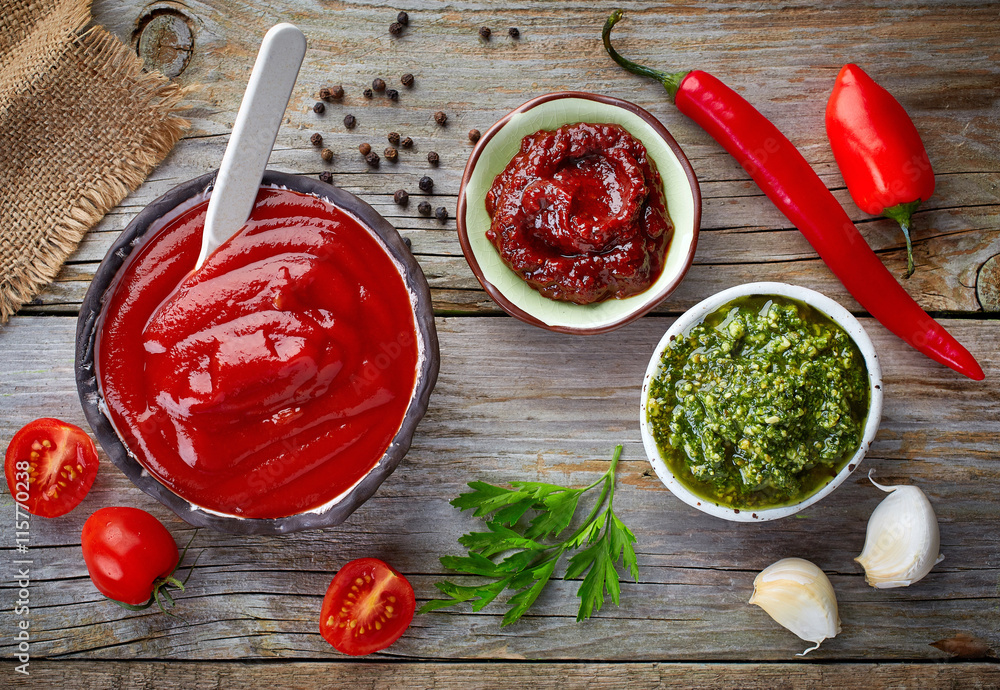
[
  {"x": 787, "y": 179},
  {"x": 879, "y": 151}
]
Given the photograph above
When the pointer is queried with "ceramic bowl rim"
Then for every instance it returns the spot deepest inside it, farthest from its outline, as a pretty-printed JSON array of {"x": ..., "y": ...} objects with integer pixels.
[
  {"x": 88, "y": 326},
  {"x": 495, "y": 293},
  {"x": 695, "y": 315}
]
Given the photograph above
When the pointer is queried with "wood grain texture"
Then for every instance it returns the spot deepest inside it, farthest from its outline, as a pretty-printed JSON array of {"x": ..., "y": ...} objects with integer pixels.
[
  {"x": 591, "y": 676},
  {"x": 504, "y": 411},
  {"x": 514, "y": 402},
  {"x": 781, "y": 58}
]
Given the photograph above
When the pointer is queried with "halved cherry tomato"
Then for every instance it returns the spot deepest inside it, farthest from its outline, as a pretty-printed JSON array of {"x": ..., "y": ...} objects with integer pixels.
[
  {"x": 50, "y": 466},
  {"x": 129, "y": 554},
  {"x": 367, "y": 607}
]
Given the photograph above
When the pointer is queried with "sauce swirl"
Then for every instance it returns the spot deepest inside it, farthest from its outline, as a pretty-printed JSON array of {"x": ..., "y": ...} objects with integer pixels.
[
  {"x": 274, "y": 378},
  {"x": 579, "y": 214}
]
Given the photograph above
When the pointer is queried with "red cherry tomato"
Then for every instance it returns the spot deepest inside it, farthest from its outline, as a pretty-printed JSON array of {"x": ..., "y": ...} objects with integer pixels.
[
  {"x": 129, "y": 554},
  {"x": 367, "y": 607},
  {"x": 50, "y": 466}
]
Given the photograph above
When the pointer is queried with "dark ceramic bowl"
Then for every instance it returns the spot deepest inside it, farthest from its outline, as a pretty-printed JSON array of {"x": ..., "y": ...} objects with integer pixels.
[
  {"x": 91, "y": 318},
  {"x": 495, "y": 150}
]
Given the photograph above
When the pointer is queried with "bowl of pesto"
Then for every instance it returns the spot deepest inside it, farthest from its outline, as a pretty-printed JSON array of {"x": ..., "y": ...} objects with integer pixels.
[{"x": 759, "y": 401}]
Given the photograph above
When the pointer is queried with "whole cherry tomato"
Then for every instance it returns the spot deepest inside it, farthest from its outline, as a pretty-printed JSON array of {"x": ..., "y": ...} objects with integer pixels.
[
  {"x": 50, "y": 466},
  {"x": 130, "y": 555},
  {"x": 367, "y": 607}
]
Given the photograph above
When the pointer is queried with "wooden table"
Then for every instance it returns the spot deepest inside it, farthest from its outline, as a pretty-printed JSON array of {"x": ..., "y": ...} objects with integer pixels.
[{"x": 516, "y": 402}]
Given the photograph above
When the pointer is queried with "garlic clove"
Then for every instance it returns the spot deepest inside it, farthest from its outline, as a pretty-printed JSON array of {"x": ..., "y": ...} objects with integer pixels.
[
  {"x": 798, "y": 596},
  {"x": 902, "y": 542}
]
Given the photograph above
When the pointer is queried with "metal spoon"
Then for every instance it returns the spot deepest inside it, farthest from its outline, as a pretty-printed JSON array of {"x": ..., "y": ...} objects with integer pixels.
[{"x": 254, "y": 132}]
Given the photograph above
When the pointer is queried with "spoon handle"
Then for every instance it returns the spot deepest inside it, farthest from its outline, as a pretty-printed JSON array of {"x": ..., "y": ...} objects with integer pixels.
[{"x": 254, "y": 132}]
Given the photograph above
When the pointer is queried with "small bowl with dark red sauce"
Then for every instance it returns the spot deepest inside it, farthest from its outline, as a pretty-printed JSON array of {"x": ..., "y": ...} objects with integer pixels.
[
  {"x": 578, "y": 213},
  {"x": 278, "y": 386}
]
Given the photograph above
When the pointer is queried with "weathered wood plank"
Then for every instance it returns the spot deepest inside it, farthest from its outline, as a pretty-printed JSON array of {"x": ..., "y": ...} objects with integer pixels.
[
  {"x": 477, "y": 82},
  {"x": 494, "y": 416},
  {"x": 378, "y": 676},
  {"x": 513, "y": 402},
  {"x": 724, "y": 258}
]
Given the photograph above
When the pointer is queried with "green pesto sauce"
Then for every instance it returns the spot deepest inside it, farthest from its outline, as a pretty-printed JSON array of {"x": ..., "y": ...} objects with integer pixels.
[{"x": 761, "y": 404}]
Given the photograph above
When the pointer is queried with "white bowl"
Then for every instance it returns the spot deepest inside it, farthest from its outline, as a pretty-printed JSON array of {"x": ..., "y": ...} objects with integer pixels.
[
  {"x": 695, "y": 315},
  {"x": 495, "y": 150}
]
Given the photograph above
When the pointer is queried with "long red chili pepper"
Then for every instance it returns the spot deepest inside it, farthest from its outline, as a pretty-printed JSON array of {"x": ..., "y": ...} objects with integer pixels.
[
  {"x": 878, "y": 150},
  {"x": 787, "y": 179}
]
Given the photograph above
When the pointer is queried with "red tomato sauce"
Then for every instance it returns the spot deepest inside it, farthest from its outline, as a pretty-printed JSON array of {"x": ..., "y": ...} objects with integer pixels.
[
  {"x": 274, "y": 378},
  {"x": 579, "y": 214}
]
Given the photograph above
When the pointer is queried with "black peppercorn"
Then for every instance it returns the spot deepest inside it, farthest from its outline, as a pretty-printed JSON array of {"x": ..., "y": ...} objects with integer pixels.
[
  {"x": 378, "y": 84},
  {"x": 365, "y": 149},
  {"x": 441, "y": 213},
  {"x": 391, "y": 154},
  {"x": 316, "y": 139},
  {"x": 324, "y": 94},
  {"x": 406, "y": 79},
  {"x": 514, "y": 33},
  {"x": 426, "y": 184},
  {"x": 440, "y": 117},
  {"x": 433, "y": 158},
  {"x": 401, "y": 197},
  {"x": 394, "y": 138},
  {"x": 406, "y": 143},
  {"x": 474, "y": 135},
  {"x": 367, "y": 93},
  {"x": 350, "y": 121},
  {"x": 319, "y": 108},
  {"x": 326, "y": 155},
  {"x": 392, "y": 94},
  {"x": 424, "y": 208},
  {"x": 485, "y": 32},
  {"x": 395, "y": 28},
  {"x": 372, "y": 159},
  {"x": 337, "y": 92},
  {"x": 326, "y": 176},
  {"x": 403, "y": 18}
]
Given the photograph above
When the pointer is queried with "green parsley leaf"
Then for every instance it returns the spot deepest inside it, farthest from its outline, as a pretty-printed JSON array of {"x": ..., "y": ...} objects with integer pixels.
[
  {"x": 486, "y": 498},
  {"x": 622, "y": 540},
  {"x": 556, "y": 515},
  {"x": 520, "y": 602},
  {"x": 518, "y": 557},
  {"x": 497, "y": 540},
  {"x": 513, "y": 512},
  {"x": 473, "y": 564}
]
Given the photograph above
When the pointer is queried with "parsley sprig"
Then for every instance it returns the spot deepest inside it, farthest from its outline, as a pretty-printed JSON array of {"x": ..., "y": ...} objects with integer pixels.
[{"x": 516, "y": 553}]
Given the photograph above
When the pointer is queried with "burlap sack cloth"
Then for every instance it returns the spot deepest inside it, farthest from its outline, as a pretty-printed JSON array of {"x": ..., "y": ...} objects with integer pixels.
[{"x": 81, "y": 125}]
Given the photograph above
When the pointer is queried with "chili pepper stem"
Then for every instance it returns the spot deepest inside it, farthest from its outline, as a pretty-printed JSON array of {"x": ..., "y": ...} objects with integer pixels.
[
  {"x": 902, "y": 214},
  {"x": 784, "y": 175},
  {"x": 671, "y": 80}
]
